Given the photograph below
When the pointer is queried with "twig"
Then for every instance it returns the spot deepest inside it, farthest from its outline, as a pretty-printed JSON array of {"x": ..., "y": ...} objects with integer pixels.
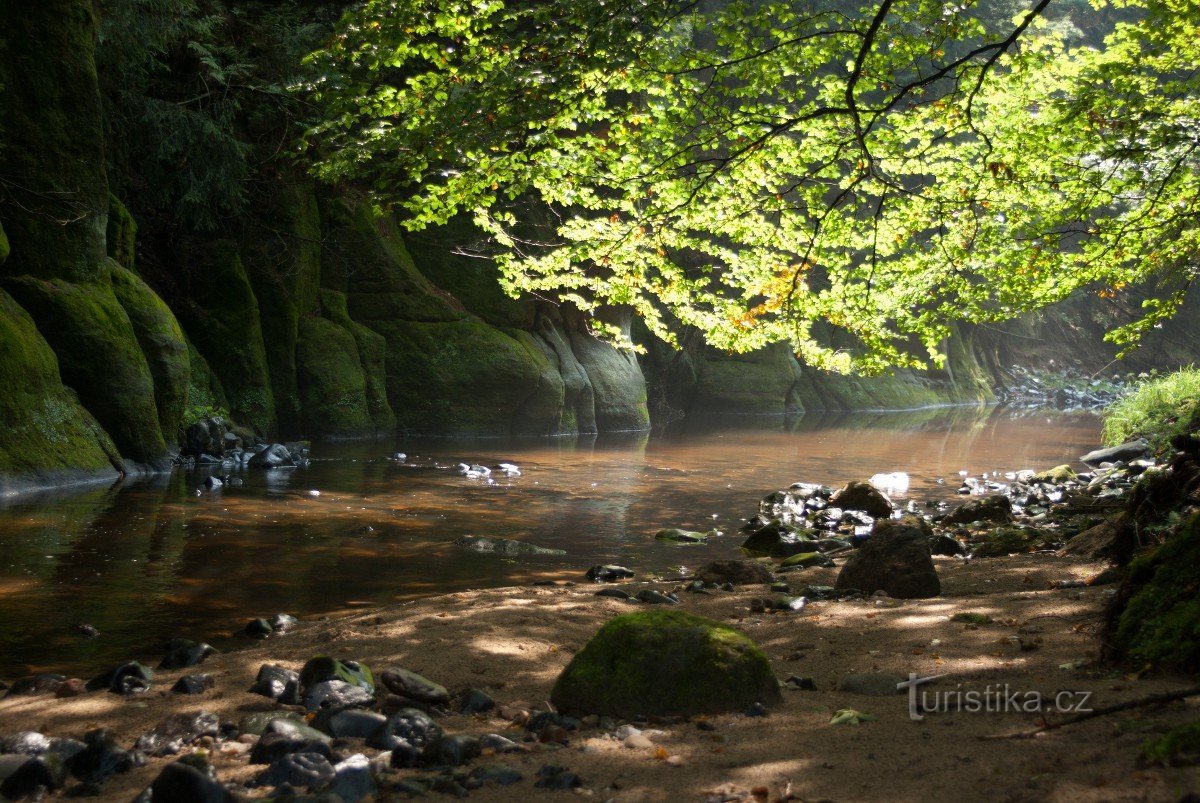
[{"x": 1153, "y": 699}]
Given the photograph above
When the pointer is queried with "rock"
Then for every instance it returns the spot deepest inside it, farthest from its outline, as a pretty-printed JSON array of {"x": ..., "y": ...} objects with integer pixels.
[
  {"x": 256, "y": 724},
  {"x": 1121, "y": 453},
  {"x": 778, "y": 540},
  {"x": 282, "y": 622},
  {"x": 336, "y": 694},
  {"x": 185, "y": 655},
  {"x": 305, "y": 770},
  {"x": 272, "y": 681},
  {"x": 45, "y": 683},
  {"x": 738, "y": 572},
  {"x": 862, "y": 496},
  {"x": 193, "y": 684},
  {"x": 410, "y": 684},
  {"x": 476, "y": 701},
  {"x": 1055, "y": 476},
  {"x": 552, "y": 777},
  {"x": 665, "y": 662},
  {"x": 323, "y": 668},
  {"x": 86, "y": 630},
  {"x": 182, "y": 783},
  {"x": 652, "y": 597},
  {"x": 453, "y": 751},
  {"x": 895, "y": 559},
  {"x": 616, "y": 593},
  {"x": 274, "y": 456},
  {"x": 608, "y": 573},
  {"x": 874, "y": 684},
  {"x": 30, "y": 774},
  {"x": 27, "y": 743},
  {"x": 407, "y": 733},
  {"x": 177, "y": 730},
  {"x": 996, "y": 508},
  {"x": 498, "y": 743},
  {"x": 101, "y": 758},
  {"x": 504, "y": 546},
  {"x": 274, "y": 746},
  {"x": 1106, "y": 541},
  {"x": 497, "y": 773},
  {"x": 945, "y": 545},
  {"x": 349, "y": 723},
  {"x": 130, "y": 678},
  {"x": 73, "y": 687},
  {"x": 353, "y": 779},
  {"x": 258, "y": 628},
  {"x": 806, "y": 559},
  {"x": 675, "y": 535}
]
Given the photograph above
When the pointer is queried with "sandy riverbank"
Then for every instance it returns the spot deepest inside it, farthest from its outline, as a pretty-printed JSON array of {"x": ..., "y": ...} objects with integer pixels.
[{"x": 513, "y": 643}]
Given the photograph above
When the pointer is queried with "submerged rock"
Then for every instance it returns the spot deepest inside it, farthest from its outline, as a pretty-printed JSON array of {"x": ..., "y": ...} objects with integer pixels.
[
  {"x": 675, "y": 535},
  {"x": 665, "y": 662},
  {"x": 896, "y": 560},
  {"x": 504, "y": 546}
]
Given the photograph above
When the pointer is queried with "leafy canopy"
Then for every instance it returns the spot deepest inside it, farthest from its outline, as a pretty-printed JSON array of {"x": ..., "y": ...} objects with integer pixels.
[{"x": 832, "y": 176}]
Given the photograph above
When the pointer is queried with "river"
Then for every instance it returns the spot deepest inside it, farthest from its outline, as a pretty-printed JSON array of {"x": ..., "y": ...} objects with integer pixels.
[{"x": 150, "y": 560}]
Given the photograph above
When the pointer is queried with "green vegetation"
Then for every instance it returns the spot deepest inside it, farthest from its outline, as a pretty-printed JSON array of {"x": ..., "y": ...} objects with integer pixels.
[
  {"x": 1177, "y": 747},
  {"x": 1158, "y": 410},
  {"x": 772, "y": 171}
]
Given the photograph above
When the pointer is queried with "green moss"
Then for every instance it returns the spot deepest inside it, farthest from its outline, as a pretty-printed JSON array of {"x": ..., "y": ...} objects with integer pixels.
[
  {"x": 162, "y": 342},
  {"x": 1160, "y": 623},
  {"x": 760, "y": 382},
  {"x": 57, "y": 191},
  {"x": 45, "y": 428},
  {"x": 221, "y": 315},
  {"x": 662, "y": 663},
  {"x": 121, "y": 234},
  {"x": 4, "y": 248},
  {"x": 1176, "y": 748},
  {"x": 99, "y": 356},
  {"x": 205, "y": 396},
  {"x": 330, "y": 377},
  {"x": 1158, "y": 410},
  {"x": 372, "y": 350},
  {"x": 1058, "y": 474}
]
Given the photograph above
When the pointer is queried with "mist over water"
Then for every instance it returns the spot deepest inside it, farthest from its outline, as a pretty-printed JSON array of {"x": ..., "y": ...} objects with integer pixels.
[{"x": 147, "y": 561}]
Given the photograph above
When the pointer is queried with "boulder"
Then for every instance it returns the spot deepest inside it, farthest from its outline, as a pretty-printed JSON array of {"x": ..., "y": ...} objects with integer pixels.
[
  {"x": 273, "y": 456},
  {"x": 678, "y": 536},
  {"x": 895, "y": 559},
  {"x": 863, "y": 496},
  {"x": 778, "y": 540},
  {"x": 1121, "y": 453},
  {"x": 997, "y": 508},
  {"x": 665, "y": 662}
]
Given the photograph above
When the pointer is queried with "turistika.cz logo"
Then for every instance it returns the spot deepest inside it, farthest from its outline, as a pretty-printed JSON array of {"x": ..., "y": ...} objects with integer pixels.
[{"x": 991, "y": 699}]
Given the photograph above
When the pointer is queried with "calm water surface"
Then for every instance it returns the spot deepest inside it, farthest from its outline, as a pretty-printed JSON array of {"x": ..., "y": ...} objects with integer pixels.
[{"x": 144, "y": 562}]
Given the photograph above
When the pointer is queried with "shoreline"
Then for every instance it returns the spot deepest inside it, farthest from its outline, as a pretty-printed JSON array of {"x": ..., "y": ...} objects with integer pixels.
[{"x": 512, "y": 642}]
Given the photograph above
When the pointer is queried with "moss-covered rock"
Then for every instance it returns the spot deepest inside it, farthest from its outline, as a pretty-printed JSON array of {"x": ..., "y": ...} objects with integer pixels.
[
  {"x": 205, "y": 396},
  {"x": 578, "y": 413},
  {"x": 665, "y": 663},
  {"x": 121, "y": 234},
  {"x": 221, "y": 316},
  {"x": 46, "y": 431},
  {"x": 163, "y": 344},
  {"x": 618, "y": 386},
  {"x": 4, "y": 247},
  {"x": 761, "y": 382},
  {"x": 56, "y": 202},
  {"x": 1155, "y": 619},
  {"x": 330, "y": 377},
  {"x": 282, "y": 256},
  {"x": 99, "y": 356},
  {"x": 1007, "y": 541},
  {"x": 372, "y": 351}
]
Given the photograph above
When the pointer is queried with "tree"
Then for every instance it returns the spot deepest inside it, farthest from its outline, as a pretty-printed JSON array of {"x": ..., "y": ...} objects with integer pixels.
[{"x": 762, "y": 168}]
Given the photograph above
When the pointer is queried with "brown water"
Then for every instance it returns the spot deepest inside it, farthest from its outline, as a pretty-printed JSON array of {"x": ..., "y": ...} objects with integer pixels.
[{"x": 145, "y": 562}]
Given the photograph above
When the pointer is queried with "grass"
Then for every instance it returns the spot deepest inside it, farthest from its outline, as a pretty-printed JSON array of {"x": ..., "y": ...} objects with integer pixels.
[{"x": 1158, "y": 410}]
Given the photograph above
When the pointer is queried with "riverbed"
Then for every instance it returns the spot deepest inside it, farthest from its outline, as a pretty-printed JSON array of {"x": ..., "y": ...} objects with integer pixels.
[{"x": 146, "y": 561}]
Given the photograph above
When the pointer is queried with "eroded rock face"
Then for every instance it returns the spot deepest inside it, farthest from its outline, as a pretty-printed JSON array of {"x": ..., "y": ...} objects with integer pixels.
[
  {"x": 896, "y": 560},
  {"x": 665, "y": 662}
]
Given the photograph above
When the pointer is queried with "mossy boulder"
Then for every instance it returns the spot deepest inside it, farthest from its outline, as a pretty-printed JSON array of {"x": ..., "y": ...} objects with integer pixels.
[
  {"x": 46, "y": 430},
  {"x": 221, "y": 316},
  {"x": 56, "y": 203},
  {"x": 372, "y": 351},
  {"x": 163, "y": 344},
  {"x": 100, "y": 357},
  {"x": 1056, "y": 475},
  {"x": 1155, "y": 618},
  {"x": 665, "y": 663},
  {"x": 1007, "y": 541},
  {"x": 760, "y": 382},
  {"x": 995, "y": 508},
  {"x": 121, "y": 234},
  {"x": 619, "y": 388},
  {"x": 332, "y": 387}
]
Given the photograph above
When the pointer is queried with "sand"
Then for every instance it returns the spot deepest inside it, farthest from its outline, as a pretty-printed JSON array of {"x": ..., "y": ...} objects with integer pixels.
[{"x": 513, "y": 642}]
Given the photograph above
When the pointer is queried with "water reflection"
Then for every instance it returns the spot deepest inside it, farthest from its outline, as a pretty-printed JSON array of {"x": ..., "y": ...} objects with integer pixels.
[{"x": 152, "y": 560}]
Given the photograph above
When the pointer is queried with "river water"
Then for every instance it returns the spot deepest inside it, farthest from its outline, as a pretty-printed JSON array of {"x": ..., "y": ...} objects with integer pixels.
[{"x": 147, "y": 561}]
